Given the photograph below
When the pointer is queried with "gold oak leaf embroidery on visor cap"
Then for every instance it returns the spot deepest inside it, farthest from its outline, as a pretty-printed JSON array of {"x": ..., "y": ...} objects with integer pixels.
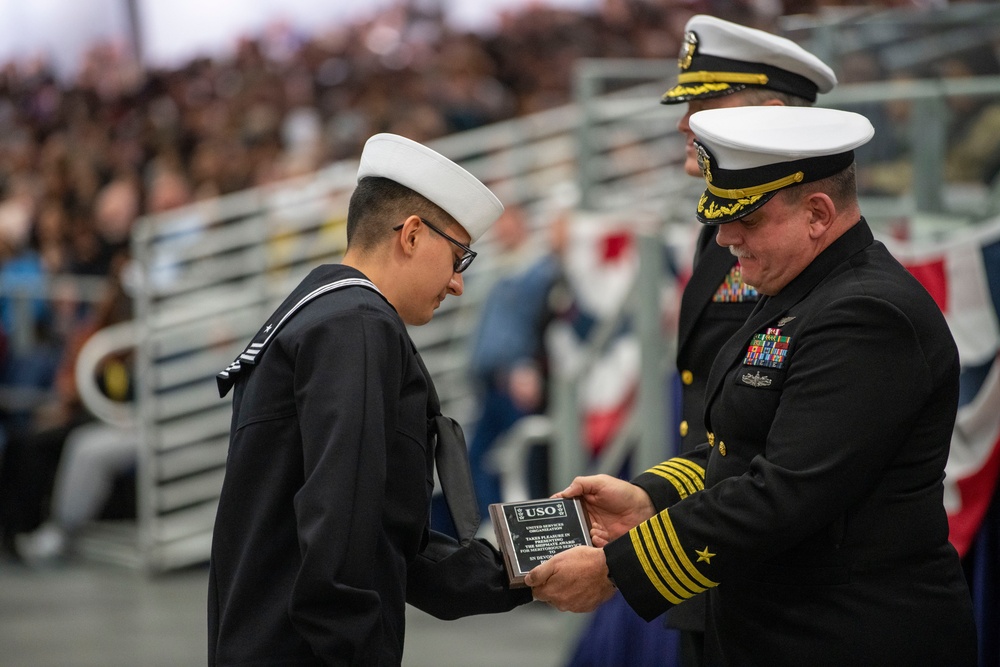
[
  {"x": 713, "y": 211},
  {"x": 701, "y": 89}
]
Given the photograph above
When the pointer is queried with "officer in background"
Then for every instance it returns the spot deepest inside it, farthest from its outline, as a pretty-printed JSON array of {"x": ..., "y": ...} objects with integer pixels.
[
  {"x": 813, "y": 518},
  {"x": 723, "y": 64},
  {"x": 321, "y": 536},
  {"x": 727, "y": 65}
]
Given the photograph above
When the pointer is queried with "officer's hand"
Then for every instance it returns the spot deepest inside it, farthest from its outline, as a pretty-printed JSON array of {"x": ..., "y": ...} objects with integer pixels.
[
  {"x": 613, "y": 505},
  {"x": 574, "y": 580}
]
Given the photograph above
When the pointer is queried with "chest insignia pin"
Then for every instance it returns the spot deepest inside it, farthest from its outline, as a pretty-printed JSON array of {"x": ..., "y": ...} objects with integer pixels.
[{"x": 756, "y": 380}]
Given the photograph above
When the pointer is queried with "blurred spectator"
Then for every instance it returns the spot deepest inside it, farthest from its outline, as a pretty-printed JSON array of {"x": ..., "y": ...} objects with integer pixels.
[
  {"x": 507, "y": 360},
  {"x": 34, "y": 450},
  {"x": 115, "y": 211},
  {"x": 974, "y": 139},
  {"x": 95, "y": 457},
  {"x": 81, "y": 160},
  {"x": 29, "y": 359},
  {"x": 20, "y": 266},
  {"x": 972, "y": 124}
]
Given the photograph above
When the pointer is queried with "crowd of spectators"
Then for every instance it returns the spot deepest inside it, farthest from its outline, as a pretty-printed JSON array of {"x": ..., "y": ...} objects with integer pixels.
[{"x": 82, "y": 160}]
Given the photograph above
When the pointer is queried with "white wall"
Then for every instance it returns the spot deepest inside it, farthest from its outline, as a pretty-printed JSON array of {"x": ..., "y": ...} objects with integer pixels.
[
  {"x": 175, "y": 30},
  {"x": 58, "y": 29}
]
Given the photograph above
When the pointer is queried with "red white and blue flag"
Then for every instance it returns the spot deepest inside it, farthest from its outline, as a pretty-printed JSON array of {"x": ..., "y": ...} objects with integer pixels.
[{"x": 962, "y": 274}]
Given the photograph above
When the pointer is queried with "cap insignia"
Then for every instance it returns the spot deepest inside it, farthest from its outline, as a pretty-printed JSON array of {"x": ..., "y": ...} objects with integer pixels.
[
  {"x": 704, "y": 163},
  {"x": 688, "y": 48}
]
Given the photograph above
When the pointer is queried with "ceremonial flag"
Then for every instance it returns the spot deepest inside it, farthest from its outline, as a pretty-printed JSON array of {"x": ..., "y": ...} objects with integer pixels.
[{"x": 962, "y": 274}]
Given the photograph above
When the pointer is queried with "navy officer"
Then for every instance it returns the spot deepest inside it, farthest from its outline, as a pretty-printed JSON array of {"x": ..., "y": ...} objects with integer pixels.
[
  {"x": 722, "y": 65},
  {"x": 812, "y": 518}
]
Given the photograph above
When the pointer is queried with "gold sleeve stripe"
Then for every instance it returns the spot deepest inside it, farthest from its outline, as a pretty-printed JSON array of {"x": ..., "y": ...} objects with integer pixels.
[
  {"x": 691, "y": 469},
  {"x": 654, "y": 578},
  {"x": 666, "y": 571},
  {"x": 668, "y": 552},
  {"x": 685, "y": 562},
  {"x": 695, "y": 474},
  {"x": 691, "y": 465},
  {"x": 684, "y": 485},
  {"x": 685, "y": 476}
]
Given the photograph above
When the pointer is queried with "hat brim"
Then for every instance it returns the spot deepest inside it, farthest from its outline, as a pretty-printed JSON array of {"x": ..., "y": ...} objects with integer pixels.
[
  {"x": 715, "y": 210},
  {"x": 685, "y": 92}
]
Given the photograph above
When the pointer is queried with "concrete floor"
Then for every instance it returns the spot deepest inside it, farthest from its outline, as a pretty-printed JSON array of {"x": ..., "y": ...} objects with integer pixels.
[{"x": 87, "y": 614}]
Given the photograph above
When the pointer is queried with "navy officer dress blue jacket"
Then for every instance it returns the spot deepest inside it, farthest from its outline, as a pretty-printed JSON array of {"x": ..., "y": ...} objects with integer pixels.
[{"x": 813, "y": 517}]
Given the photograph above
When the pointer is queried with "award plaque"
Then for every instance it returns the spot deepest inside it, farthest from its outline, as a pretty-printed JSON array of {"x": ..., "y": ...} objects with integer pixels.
[{"x": 532, "y": 531}]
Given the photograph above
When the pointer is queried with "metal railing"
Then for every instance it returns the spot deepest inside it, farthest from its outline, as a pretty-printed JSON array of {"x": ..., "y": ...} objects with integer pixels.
[
  {"x": 210, "y": 274},
  {"x": 24, "y": 339}
]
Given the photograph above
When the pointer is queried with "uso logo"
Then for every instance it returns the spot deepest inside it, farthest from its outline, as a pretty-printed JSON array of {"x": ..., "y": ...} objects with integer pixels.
[{"x": 540, "y": 511}]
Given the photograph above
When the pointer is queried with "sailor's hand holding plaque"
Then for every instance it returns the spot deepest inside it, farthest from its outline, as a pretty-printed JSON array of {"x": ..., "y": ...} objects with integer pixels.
[
  {"x": 531, "y": 532},
  {"x": 577, "y": 579}
]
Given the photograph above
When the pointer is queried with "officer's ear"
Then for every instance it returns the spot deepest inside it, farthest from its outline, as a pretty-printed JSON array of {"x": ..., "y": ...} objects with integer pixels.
[{"x": 821, "y": 211}]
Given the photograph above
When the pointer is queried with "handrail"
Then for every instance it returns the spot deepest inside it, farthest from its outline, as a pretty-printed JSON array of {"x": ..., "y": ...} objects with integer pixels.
[
  {"x": 103, "y": 343},
  {"x": 251, "y": 247},
  {"x": 51, "y": 287},
  {"x": 85, "y": 287}
]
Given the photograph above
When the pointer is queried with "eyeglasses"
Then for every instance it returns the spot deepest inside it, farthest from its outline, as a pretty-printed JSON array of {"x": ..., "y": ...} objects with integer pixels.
[{"x": 461, "y": 263}]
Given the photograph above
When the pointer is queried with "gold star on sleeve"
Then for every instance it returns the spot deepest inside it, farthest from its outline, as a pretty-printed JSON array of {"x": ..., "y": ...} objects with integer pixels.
[
  {"x": 664, "y": 560},
  {"x": 705, "y": 555}
]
